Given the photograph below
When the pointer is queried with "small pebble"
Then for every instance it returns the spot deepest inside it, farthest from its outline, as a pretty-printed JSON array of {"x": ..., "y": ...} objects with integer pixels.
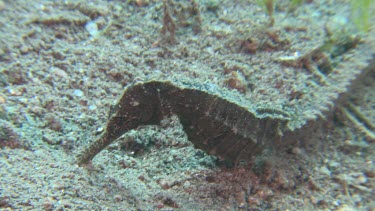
[
  {"x": 333, "y": 164},
  {"x": 78, "y": 93},
  {"x": 370, "y": 173},
  {"x": 2, "y": 5},
  {"x": 360, "y": 179},
  {"x": 60, "y": 73},
  {"x": 48, "y": 203},
  {"x": 296, "y": 151},
  {"x": 14, "y": 92},
  {"x": 92, "y": 28},
  {"x": 24, "y": 49},
  {"x": 92, "y": 107},
  {"x": 117, "y": 198},
  {"x": 324, "y": 170},
  {"x": 2, "y": 99}
]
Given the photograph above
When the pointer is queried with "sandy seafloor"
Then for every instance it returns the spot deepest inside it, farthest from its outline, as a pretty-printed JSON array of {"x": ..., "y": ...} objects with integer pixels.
[{"x": 63, "y": 63}]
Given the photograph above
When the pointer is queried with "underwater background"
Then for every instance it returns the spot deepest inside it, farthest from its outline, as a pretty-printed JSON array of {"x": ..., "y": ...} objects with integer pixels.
[{"x": 187, "y": 105}]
